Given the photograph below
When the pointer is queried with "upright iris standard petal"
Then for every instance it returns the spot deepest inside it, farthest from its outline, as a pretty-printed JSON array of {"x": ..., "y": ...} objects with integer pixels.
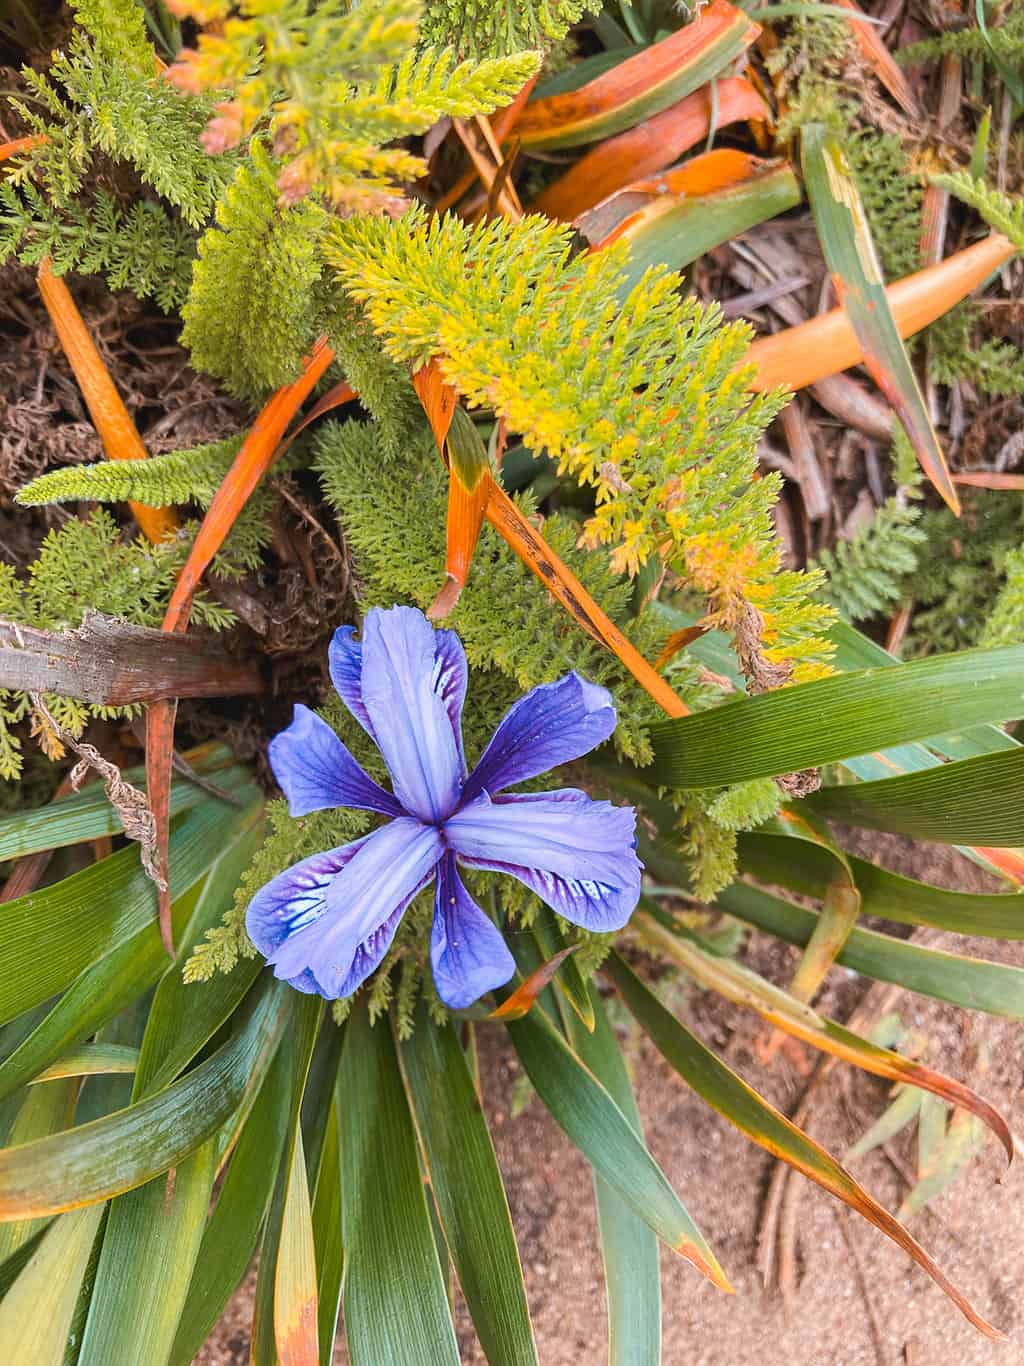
[
  {"x": 467, "y": 952},
  {"x": 369, "y": 893},
  {"x": 294, "y": 900},
  {"x": 551, "y": 725},
  {"x": 345, "y": 660},
  {"x": 315, "y": 771},
  {"x": 411, "y": 693},
  {"x": 575, "y": 853}
]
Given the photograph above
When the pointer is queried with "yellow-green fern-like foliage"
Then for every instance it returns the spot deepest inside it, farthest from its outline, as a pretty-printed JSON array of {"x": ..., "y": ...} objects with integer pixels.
[
  {"x": 483, "y": 28},
  {"x": 645, "y": 400},
  {"x": 334, "y": 83}
]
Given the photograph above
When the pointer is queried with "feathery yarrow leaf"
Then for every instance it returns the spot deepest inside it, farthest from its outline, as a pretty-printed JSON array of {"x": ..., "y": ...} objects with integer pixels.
[
  {"x": 999, "y": 211},
  {"x": 646, "y": 399}
]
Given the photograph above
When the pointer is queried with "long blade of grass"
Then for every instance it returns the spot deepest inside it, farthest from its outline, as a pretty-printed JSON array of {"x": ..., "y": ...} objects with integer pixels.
[
  {"x": 582, "y": 1107},
  {"x": 37, "y": 1311},
  {"x": 467, "y": 1187},
  {"x": 629, "y": 1248},
  {"x": 641, "y": 86},
  {"x": 125, "y": 1149},
  {"x": 396, "y": 1310},
  {"x": 857, "y": 275},
  {"x": 835, "y": 718},
  {"x": 779, "y": 1008},
  {"x": 973, "y": 801},
  {"x": 761, "y": 1122},
  {"x": 971, "y": 983}
]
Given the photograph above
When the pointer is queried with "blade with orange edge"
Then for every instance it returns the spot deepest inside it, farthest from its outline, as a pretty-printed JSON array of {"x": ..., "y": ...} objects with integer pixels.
[
  {"x": 849, "y": 251},
  {"x": 674, "y": 218},
  {"x": 113, "y": 422},
  {"x": 825, "y": 345},
  {"x": 523, "y": 999},
  {"x": 257, "y": 453},
  {"x": 16, "y": 145},
  {"x": 647, "y": 148},
  {"x": 727, "y": 1093},
  {"x": 641, "y": 86}
]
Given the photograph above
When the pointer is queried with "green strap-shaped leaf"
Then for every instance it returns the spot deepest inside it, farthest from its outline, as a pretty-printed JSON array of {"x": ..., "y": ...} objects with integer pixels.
[
  {"x": 834, "y": 718},
  {"x": 287, "y": 1228},
  {"x": 962, "y": 981},
  {"x": 780, "y": 1008},
  {"x": 761, "y": 1122},
  {"x": 396, "y": 1310},
  {"x": 90, "y": 1060},
  {"x": 327, "y": 1233},
  {"x": 232, "y": 1232},
  {"x": 149, "y": 1247},
  {"x": 123, "y": 1150},
  {"x": 974, "y": 801},
  {"x": 295, "y": 1279},
  {"x": 629, "y": 1249},
  {"x": 108, "y": 986},
  {"x": 88, "y": 815},
  {"x": 48, "y": 937},
  {"x": 582, "y": 1107},
  {"x": 153, "y": 1234},
  {"x": 185, "y": 1015},
  {"x": 771, "y": 858},
  {"x": 37, "y": 1312},
  {"x": 849, "y": 251},
  {"x": 45, "y": 1111},
  {"x": 468, "y": 1190}
]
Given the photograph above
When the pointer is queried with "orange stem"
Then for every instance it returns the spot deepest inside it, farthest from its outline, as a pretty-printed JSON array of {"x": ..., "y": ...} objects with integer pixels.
[
  {"x": 113, "y": 422},
  {"x": 827, "y": 344}
]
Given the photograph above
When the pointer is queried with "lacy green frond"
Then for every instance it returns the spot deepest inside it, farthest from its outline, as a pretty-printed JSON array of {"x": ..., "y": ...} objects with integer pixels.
[
  {"x": 336, "y": 83},
  {"x": 999, "y": 211},
  {"x": 892, "y": 194},
  {"x": 645, "y": 400},
  {"x": 1002, "y": 45},
  {"x": 963, "y": 569},
  {"x": 480, "y": 28},
  {"x": 103, "y": 93},
  {"x": 1005, "y": 622},
  {"x": 173, "y": 480},
  {"x": 866, "y": 573},
  {"x": 250, "y": 314},
  {"x": 994, "y": 367},
  {"x": 140, "y": 247}
]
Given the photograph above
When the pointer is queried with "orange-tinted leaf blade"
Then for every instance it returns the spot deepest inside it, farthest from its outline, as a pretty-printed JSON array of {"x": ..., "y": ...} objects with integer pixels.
[
  {"x": 523, "y": 999},
  {"x": 762, "y": 1123},
  {"x": 641, "y": 86},
  {"x": 647, "y": 148},
  {"x": 880, "y": 59}
]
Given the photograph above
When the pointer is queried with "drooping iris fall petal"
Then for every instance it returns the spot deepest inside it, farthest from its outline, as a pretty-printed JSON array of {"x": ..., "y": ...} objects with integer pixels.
[{"x": 468, "y": 954}]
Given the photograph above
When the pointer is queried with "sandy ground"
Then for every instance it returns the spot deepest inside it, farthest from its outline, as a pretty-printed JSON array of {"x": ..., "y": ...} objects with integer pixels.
[{"x": 859, "y": 1301}]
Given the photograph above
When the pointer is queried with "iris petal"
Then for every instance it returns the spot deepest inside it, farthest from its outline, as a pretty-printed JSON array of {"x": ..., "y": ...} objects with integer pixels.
[
  {"x": 413, "y": 682},
  {"x": 575, "y": 853},
  {"x": 315, "y": 771},
  {"x": 361, "y": 907},
  {"x": 551, "y": 725},
  {"x": 294, "y": 900},
  {"x": 345, "y": 660},
  {"x": 467, "y": 952}
]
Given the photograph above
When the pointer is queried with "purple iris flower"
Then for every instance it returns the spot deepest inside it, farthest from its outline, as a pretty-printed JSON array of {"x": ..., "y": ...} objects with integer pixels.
[{"x": 328, "y": 921}]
